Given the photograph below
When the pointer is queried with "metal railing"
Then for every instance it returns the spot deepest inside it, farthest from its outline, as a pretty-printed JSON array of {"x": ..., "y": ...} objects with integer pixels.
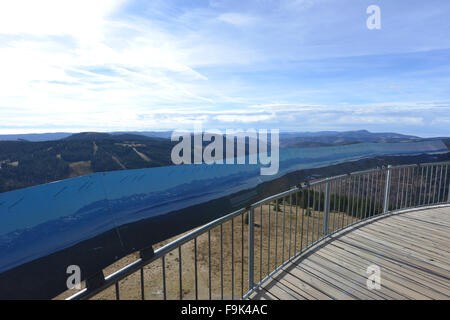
[{"x": 232, "y": 256}]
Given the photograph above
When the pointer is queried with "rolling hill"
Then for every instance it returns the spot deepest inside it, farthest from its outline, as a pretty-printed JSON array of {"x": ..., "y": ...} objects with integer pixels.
[{"x": 26, "y": 163}]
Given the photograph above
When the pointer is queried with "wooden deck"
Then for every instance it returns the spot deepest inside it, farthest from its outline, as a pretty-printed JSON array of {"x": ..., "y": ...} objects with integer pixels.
[{"x": 412, "y": 250}]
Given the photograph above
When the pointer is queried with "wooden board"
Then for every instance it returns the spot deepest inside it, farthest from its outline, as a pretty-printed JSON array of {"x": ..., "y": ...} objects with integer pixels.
[{"x": 411, "y": 248}]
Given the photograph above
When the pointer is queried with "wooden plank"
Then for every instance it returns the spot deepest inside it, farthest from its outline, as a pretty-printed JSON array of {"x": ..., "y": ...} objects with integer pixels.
[
  {"x": 388, "y": 286},
  {"x": 405, "y": 242},
  {"x": 416, "y": 234},
  {"x": 397, "y": 268},
  {"x": 398, "y": 282},
  {"x": 388, "y": 248},
  {"x": 412, "y": 249},
  {"x": 350, "y": 283},
  {"x": 274, "y": 289},
  {"x": 336, "y": 262},
  {"x": 262, "y": 294},
  {"x": 302, "y": 286},
  {"x": 437, "y": 230},
  {"x": 305, "y": 295},
  {"x": 320, "y": 284}
]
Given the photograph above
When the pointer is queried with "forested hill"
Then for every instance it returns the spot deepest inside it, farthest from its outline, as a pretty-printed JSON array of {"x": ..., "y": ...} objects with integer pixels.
[{"x": 25, "y": 163}]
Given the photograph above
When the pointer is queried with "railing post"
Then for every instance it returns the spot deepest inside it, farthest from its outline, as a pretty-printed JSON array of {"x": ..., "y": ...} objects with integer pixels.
[
  {"x": 448, "y": 190},
  {"x": 326, "y": 209},
  {"x": 387, "y": 188},
  {"x": 251, "y": 241},
  {"x": 448, "y": 198}
]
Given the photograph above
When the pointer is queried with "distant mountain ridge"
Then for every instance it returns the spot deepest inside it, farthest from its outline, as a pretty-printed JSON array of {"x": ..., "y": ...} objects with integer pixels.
[
  {"x": 27, "y": 163},
  {"x": 358, "y": 134},
  {"x": 328, "y": 138}
]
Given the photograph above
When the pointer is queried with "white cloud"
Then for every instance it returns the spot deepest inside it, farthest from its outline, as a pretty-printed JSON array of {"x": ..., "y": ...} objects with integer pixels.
[
  {"x": 83, "y": 19},
  {"x": 237, "y": 19},
  {"x": 92, "y": 65}
]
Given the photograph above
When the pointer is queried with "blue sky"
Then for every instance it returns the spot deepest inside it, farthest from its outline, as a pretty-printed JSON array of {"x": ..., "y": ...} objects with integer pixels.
[{"x": 303, "y": 65}]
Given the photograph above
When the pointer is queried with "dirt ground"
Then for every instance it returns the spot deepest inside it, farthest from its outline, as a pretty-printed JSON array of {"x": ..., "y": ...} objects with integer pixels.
[{"x": 271, "y": 248}]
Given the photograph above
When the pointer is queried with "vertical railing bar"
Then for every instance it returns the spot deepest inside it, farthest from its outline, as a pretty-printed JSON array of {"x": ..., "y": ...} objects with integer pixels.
[
  {"x": 290, "y": 225},
  {"x": 348, "y": 199},
  {"x": 403, "y": 188},
  {"x": 221, "y": 261},
  {"x": 303, "y": 219},
  {"x": 209, "y": 264},
  {"x": 425, "y": 186},
  {"x": 419, "y": 202},
  {"x": 242, "y": 256},
  {"x": 369, "y": 194},
  {"x": 326, "y": 210},
  {"x": 260, "y": 242},
  {"x": 232, "y": 258},
  {"x": 418, "y": 185},
  {"x": 372, "y": 185},
  {"x": 387, "y": 190},
  {"x": 435, "y": 185},
  {"x": 358, "y": 216},
  {"x": 308, "y": 213},
  {"x": 269, "y": 230},
  {"x": 276, "y": 232},
  {"x": 380, "y": 191},
  {"x": 313, "y": 213},
  {"x": 195, "y": 269},
  {"x": 409, "y": 194},
  {"x": 366, "y": 194},
  {"x": 296, "y": 223},
  {"x": 284, "y": 229},
  {"x": 352, "y": 218},
  {"x": 251, "y": 243},
  {"x": 445, "y": 184},
  {"x": 163, "y": 261},
  {"x": 398, "y": 189},
  {"x": 375, "y": 193},
  {"x": 339, "y": 223},
  {"x": 181, "y": 273},
  {"x": 142, "y": 284},
  {"x": 431, "y": 184},
  {"x": 415, "y": 186},
  {"x": 406, "y": 187},
  {"x": 362, "y": 197},
  {"x": 448, "y": 189},
  {"x": 334, "y": 206},
  {"x": 353, "y": 200},
  {"x": 117, "y": 290},
  {"x": 360, "y": 206},
  {"x": 318, "y": 211},
  {"x": 440, "y": 184}
]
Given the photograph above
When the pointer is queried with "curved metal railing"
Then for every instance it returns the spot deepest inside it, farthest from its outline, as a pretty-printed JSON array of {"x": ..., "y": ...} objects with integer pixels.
[{"x": 232, "y": 256}]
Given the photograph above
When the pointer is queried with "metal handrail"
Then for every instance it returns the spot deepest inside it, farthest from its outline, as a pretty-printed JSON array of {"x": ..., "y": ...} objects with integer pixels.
[{"x": 340, "y": 201}]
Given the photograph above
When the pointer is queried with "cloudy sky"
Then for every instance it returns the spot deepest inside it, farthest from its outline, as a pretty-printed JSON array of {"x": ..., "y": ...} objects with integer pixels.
[{"x": 303, "y": 65}]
